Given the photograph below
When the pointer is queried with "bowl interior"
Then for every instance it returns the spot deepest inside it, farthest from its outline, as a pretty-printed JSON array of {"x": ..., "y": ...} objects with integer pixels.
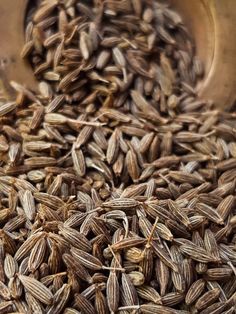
[{"x": 198, "y": 18}]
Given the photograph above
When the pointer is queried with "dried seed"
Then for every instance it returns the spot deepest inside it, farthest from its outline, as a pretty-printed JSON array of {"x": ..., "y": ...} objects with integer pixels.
[
  {"x": 78, "y": 161},
  {"x": 207, "y": 298},
  {"x": 197, "y": 253},
  {"x": 88, "y": 260},
  {"x": 37, "y": 289},
  {"x": 132, "y": 165},
  {"x": 210, "y": 213},
  {"x": 10, "y": 266},
  {"x": 37, "y": 255},
  {"x": 112, "y": 148},
  {"x": 195, "y": 290},
  {"x": 172, "y": 298},
  {"x": 150, "y": 294},
  {"x": 75, "y": 238},
  {"x": 113, "y": 292},
  {"x": 144, "y": 106},
  {"x": 84, "y": 304},
  {"x": 164, "y": 257}
]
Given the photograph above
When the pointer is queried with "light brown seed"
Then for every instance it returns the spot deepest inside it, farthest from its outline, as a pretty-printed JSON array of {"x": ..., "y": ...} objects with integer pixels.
[
  {"x": 103, "y": 59},
  {"x": 148, "y": 293},
  {"x": 33, "y": 303},
  {"x": 27, "y": 246},
  {"x": 37, "y": 254},
  {"x": 112, "y": 148},
  {"x": 197, "y": 253},
  {"x": 164, "y": 257},
  {"x": 100, "y": 302},
  {"x": 113, "y": 292},
  {"x": 37, "y": 289},
  {"x": 60, "y": 299},
  {"x": 84, "y": 304},
  {"x": 225, "y": 206},
  {"x": 5, "y": 108},
  {"x": 207, "y": 298},
  {"x": 85, "y": 44},
  {"x": 55, "y": 104},
  {"x": 86, "y": 259},
  {"x": 210, "y": 213},
  {"x": 78, "y": 161},
  {"x": 132, "y": 165},
  {"x": 10, "y": 266},
  {"x": 121, "y": 203},
  {"x": 75, "y": 238},
  {"x": 144, "y": 106},
  {"x": 172, "y": 298},
  {"x": 195, "y": 290},
  {"x": 4, "y": 292},
  {"x": 76, "y": 268}
]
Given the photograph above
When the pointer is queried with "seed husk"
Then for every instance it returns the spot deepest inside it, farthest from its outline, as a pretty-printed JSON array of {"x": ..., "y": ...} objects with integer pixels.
[
  {"x": 207, "y": 298},
  {"x": 84, "y": 304},
  {"x": 37, "y": 289},
  {"x": 150, "y": 294},
  {"x": 113, "y": 292},
  {"x": 195, "y": 291}
]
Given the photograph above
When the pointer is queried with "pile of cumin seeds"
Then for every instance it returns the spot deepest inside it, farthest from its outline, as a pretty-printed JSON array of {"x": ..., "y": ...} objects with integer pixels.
[{"x": 117, "y": 184}]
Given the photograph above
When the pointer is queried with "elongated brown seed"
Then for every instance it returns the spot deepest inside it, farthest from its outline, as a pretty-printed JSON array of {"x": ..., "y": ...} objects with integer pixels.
[{"x": 37, "y": 289}]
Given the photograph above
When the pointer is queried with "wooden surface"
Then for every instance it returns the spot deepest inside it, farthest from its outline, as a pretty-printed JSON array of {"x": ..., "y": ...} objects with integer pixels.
[
  {"x": 12, "y": 67},
  {"x": 211, "y": 22},
  {"x": 220, "y": 84}
]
